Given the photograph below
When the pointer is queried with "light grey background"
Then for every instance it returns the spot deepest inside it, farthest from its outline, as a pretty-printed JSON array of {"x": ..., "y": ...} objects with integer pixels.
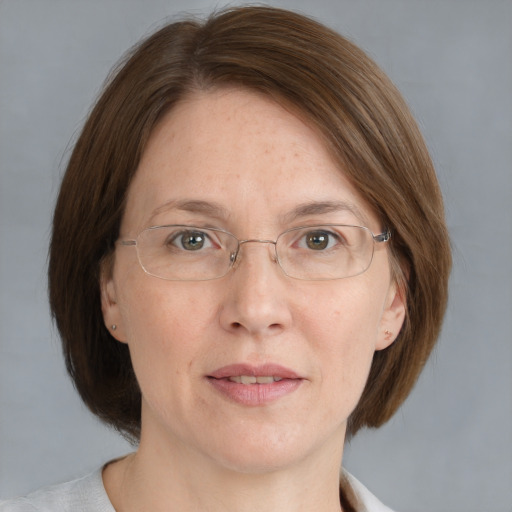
[{"x": 450, "y": 447}]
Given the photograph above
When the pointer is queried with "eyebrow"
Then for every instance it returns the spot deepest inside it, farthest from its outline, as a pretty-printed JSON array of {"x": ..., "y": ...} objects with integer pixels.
[
  {"x": 215, "y": 210},
  {"x": 210, "y": 209},
  {"x": 322, "y": 208}
]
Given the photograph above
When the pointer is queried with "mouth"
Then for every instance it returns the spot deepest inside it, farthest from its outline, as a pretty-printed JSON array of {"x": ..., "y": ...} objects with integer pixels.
[
  {"x": 252, "y": 379},
  {"x": 254, "y": 385}
]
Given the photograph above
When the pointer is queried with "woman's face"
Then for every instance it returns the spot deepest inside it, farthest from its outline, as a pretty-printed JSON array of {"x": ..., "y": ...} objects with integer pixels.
[{"x": 236, "y": 160}]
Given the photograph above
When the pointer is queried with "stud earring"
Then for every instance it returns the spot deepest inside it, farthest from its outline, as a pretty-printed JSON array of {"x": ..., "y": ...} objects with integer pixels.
[
  {"x": 388, "y": 334},
  {"x": 114, "y": 327}
]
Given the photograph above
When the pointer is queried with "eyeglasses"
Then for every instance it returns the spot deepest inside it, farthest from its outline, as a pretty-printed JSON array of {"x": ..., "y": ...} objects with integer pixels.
[{"x": 316, "y": 253}]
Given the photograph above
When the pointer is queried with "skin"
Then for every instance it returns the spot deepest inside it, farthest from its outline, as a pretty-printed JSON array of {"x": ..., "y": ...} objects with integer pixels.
[{"x": 199, "y": 450}]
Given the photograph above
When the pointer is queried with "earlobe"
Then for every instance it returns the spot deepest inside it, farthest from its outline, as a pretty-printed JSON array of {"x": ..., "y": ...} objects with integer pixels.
[
  {"x": 110, "y": 309},
  {"x": 392, "y": 318}
]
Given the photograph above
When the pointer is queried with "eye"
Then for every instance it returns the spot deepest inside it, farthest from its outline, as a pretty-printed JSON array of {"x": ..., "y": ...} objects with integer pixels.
[
  {"x": 191, "y": 240},
  {"x": 319, "y": 240}
]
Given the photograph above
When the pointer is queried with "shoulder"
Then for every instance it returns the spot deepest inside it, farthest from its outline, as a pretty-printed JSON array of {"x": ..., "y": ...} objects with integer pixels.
[
  {"x": 359, "y": 496},
  {"x": 86, "y": 494}
]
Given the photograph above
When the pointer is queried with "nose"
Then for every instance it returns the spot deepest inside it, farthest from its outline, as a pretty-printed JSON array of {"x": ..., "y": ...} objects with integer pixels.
[{"x": 256, "y": 300}]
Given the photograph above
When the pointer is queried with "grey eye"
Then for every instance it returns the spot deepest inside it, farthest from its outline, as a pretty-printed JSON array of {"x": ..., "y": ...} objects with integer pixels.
[{"x": 191, "y": 240}]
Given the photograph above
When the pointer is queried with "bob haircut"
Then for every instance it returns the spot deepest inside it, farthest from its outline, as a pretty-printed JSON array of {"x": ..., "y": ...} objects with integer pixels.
[{"x": 336, "y": 89}]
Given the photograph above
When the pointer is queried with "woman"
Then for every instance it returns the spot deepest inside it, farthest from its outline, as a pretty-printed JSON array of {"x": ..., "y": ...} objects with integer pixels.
[{"x": 249, "y": 263}]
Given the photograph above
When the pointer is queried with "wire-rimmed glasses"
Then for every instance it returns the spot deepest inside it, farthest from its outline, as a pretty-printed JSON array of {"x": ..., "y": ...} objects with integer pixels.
[{"x": 313, "y": 253}]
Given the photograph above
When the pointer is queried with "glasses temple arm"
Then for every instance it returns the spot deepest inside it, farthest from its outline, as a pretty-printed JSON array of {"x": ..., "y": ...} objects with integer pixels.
[{"x": 383, "y": 237}]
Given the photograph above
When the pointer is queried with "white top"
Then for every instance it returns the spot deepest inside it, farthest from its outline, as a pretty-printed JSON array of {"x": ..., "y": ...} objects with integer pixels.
[{"x": 88, "y": 494}]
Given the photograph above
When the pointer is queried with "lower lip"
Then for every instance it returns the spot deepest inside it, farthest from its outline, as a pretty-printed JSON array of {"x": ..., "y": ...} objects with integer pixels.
[{"x": 255, "y": 394}]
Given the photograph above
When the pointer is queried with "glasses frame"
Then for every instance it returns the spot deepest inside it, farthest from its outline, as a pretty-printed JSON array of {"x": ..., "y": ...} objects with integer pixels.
[{"x": 383, "y": 237}]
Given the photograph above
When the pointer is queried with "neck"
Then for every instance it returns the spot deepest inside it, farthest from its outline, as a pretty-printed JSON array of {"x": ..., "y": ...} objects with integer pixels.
[{"x": 170, "y": 476}]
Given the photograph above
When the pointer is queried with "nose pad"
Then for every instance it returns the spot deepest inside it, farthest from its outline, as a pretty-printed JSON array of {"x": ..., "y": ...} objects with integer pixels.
[
  {"x": 236, "y": 257},
  {"x": 272, "y": 251}
]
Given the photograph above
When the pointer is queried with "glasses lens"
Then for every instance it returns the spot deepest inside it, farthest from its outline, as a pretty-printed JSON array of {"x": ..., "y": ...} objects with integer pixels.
[
  {"x": 325, "y": 252},
  {"x": 186, "y": 253}
]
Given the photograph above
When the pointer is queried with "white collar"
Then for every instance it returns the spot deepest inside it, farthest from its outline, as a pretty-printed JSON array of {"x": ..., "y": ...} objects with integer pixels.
[{"x": 359, "y": 496}]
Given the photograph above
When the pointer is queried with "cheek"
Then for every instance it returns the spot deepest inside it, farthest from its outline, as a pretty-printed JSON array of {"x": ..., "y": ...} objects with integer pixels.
[
  {"x": 163, "y": 326},
  {"x": 346, "y": 319},
  {"x": 343, "y": 330}
]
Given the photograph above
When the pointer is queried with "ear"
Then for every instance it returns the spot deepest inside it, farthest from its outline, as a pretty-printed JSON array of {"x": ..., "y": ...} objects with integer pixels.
[
  {"x": 392, "y": 318},
  {"x": 109, "y": 306}
]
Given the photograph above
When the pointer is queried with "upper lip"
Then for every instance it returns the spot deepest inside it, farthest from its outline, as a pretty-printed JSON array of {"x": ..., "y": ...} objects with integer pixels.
[{"x": 235, "y": 370}]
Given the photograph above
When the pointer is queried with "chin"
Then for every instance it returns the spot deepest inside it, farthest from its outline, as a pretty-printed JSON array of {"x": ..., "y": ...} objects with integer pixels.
[{"x": 266, "y": 451}]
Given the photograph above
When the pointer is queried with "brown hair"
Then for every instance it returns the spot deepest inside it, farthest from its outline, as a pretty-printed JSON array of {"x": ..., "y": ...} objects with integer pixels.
[{"x": 336, "y": 87}]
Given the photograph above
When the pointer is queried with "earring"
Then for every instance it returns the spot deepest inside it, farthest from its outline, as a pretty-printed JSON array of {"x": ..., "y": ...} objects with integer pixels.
[
  {"x": 388, "y": 334},
  {"x": 114, "y": 327}
]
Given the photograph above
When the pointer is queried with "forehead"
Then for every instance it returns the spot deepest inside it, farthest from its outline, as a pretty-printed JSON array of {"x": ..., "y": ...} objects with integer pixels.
[{"x": 241, "y": 151}]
